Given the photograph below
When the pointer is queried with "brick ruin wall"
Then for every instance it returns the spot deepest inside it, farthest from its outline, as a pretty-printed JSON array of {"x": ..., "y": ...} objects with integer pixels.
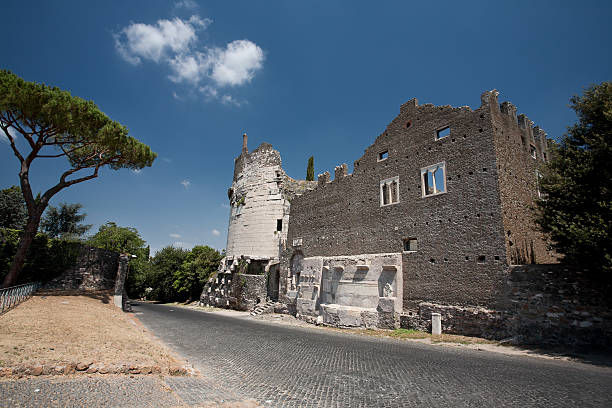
[
  {"x": 94, "y": 269},
  {"x": 548, "y": 305},
  {"x": 514, "y": 138},
  {"x": 461, "y": 252}
]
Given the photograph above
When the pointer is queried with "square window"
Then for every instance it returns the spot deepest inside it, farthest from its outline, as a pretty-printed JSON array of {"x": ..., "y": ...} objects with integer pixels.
[
  {"x": 433, "y": 179},
  {"x": 442, "y": 133},
  {"x": 410, "y": 244},
  {"x": 383, "y": 155},
  {"x": 389, "y": 191}
]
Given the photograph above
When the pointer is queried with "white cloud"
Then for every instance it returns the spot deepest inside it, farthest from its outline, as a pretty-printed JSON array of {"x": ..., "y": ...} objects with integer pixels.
[
  {"x": 236, "y": 64},
  {"x": 186, "y": 4},
  {"x": 175, "y": 236},
  {"x": 137, "y": 171},
  {"x": 186, "y": 183},
  {"x": 184, "y": 245},
  {"x": 175, "y": 43},
  {"x": 12, "y": 131},
  {"x": 229, "y": 100},
  {"x": 225, "y": 205},
  {"x": 153, "y": 42},
  {"x": 215, "y": 232},
  {"x": 166, "y": 159}
]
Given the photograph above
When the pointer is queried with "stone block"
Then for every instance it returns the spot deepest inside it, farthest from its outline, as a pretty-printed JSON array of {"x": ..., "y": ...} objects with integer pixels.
[{"x": 386, "y": 304}]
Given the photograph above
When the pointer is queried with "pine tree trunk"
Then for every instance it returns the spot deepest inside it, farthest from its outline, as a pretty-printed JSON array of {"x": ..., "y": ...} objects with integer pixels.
[{"x": 25, "y": 241}]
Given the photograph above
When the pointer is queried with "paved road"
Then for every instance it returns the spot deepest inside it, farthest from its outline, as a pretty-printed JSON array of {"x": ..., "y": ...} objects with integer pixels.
[{"x": 279, "y": 365}]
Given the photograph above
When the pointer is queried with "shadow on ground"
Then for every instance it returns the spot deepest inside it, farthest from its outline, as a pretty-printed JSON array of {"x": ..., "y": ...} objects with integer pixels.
[{"x": 103, "y": 296}]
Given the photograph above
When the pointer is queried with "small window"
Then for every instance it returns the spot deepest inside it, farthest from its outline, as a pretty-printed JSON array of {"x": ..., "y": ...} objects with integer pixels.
[
  {"x": 442, "y": 133},
  {"x": 433, "y": 179},
  {"x": 389, "y": 191},
  {"x": 383, "y": 155},
  {"x": 410, "y": 245},
  {"x": 279, "y": 225},
  {"x": 533, "y": 151},
  {"x": 541, "y": 195}
]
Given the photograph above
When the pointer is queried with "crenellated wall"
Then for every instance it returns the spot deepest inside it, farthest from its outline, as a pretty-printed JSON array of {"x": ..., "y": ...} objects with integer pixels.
[
  {"x": 461, "y": 254},
  {"x": 517, "y": 169}
]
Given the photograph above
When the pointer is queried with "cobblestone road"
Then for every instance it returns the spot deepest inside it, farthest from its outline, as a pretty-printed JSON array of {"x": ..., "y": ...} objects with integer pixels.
[
  {"x": 278, "y": 365},
  {"x": 107, "y": 391}
]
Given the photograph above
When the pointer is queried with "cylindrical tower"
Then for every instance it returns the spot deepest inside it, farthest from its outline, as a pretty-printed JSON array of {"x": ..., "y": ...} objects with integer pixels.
[{"x": 259, "y": 211}]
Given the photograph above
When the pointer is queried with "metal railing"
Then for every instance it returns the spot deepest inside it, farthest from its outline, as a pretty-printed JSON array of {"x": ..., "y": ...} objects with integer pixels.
[{"x": 11, "y": 297}]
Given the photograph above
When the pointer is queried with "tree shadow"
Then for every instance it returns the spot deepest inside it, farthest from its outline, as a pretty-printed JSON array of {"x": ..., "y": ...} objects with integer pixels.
[
  {"x": 597, "y": 356},
  {"x": 103, "y": 296}
]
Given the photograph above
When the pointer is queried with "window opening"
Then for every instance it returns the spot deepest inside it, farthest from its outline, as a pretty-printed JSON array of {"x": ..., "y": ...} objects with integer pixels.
[
  {"x": 539, "y": 176},
  {"x": 533, "y": 151},
  {"x": 383, "y": 155},
  {"x": 410, "y": 244},
  {"x": 442, "y": 133},
  {"x": 279, "y": 225},
  {"x": 433, "y": 179},
  {"x": 389, "y": 191}
]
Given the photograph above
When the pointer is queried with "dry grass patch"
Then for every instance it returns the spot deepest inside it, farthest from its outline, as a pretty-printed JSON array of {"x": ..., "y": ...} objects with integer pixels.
[
  {"x": 409, "y": 334},
  {"x": 56, "y": 327}
]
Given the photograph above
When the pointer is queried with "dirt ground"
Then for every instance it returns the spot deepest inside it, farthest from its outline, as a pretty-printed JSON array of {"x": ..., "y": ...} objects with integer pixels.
[{"x": 63, "y": 327}]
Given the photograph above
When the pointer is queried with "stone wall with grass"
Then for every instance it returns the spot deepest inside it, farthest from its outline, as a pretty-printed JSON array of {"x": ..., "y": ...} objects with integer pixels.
[
  {"x": 93, "y": 269},
  {"x": 544, "y": 304}
]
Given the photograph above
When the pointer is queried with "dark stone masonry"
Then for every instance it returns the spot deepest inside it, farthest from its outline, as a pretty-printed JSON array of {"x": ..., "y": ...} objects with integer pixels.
[
  {"x": 94, "y": 269},
  {"x": 435, "y": 217}
]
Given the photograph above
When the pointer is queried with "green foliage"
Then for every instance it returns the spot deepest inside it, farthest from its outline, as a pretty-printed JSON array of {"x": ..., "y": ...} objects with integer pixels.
[
  {"x": 577, "y": 185},
  {"x": 46, "y": 258},
  {"x": 125, "y": 240},
  {"x": 73, "y": 126},
  {"x": 63, "y": 222},
  {"x": 13, "y": 210},
  {"x": 160, "y": 276},
  {"x": 173, "y": 274},
  {"x": 195, "y": 270},
  {"x": 55, "y": 124},
  {"x": 310, "y": 169}
]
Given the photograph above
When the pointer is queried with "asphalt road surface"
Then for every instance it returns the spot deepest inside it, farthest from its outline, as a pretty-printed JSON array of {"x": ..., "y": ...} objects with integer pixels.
[{"x": 240, "y": 358}]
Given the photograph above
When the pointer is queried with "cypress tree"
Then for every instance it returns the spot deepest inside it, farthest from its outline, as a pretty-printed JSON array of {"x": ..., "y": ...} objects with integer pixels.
[{"x": 310, "y": 169}]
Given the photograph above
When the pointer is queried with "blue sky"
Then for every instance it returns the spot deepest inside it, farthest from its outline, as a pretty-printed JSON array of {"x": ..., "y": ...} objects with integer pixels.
[{"x": 318, "y": 78}]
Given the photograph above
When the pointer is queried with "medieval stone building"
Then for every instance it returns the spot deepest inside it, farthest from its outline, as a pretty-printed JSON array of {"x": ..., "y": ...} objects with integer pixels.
[{"x": 435, "y": 217}]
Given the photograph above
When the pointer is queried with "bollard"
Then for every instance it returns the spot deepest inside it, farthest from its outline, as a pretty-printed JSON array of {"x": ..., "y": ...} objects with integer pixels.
[{"x": 436, "y": 323}]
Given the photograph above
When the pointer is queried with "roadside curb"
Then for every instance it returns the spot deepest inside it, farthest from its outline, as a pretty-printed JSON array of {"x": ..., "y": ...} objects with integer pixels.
[{"x": 59, "y": 369}]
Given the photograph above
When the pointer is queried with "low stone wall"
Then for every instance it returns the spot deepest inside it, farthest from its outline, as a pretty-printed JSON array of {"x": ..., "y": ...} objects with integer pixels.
[
  {"x": 234, "y": 291},
  {"x": 543, "y": 304},
  {"x": 94, "y": 269}
]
